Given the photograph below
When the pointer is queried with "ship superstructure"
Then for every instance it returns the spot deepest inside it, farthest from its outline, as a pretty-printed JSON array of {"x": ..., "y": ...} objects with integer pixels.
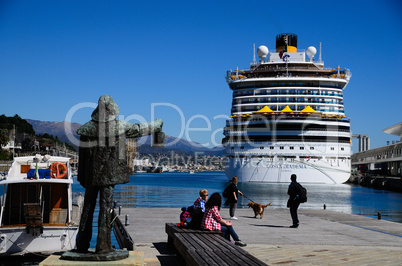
[{"x": 288, "y": 117}]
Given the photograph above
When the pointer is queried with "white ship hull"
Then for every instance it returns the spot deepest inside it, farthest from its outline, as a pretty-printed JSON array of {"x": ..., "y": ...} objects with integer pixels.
[{"x": 312, "y": 171}]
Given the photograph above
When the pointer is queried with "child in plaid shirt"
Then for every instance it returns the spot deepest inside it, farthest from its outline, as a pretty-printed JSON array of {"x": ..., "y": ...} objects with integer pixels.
[{"x": 213, "y": 221}]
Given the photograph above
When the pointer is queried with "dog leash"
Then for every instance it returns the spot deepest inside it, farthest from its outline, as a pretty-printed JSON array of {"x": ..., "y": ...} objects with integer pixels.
[{"x": 248, "y": 198}]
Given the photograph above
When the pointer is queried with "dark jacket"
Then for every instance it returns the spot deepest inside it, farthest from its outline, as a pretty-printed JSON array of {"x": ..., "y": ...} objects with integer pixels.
[
  {"x": 293, "y": 192},
  {"x": 233, "y": 188}
]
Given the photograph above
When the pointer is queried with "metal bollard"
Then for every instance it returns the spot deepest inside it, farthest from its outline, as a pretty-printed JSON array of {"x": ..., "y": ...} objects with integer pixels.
[
  {"x": 127, "y": 222},
  {"x": 119, "y": 210},
  {"x": 379, "y": 216},
  {"x": 325, "y": 206}
]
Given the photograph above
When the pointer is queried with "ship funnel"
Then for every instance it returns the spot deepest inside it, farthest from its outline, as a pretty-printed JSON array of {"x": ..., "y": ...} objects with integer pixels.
[{"x": 286, "y": 42}]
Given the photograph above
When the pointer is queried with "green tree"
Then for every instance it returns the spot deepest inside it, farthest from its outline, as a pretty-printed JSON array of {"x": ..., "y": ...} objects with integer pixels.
[
  {"x": 20, "y": 124},
  {"x": 3, "y": 137},
  {"x": 5, "y": 155}
]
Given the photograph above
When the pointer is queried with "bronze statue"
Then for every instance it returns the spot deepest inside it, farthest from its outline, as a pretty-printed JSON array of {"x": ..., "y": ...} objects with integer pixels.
[{"x": 102, "y": 165}]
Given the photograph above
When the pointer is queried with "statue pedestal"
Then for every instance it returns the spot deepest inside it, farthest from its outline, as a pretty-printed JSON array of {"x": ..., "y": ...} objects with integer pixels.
[{"x": 73, "y": 258}]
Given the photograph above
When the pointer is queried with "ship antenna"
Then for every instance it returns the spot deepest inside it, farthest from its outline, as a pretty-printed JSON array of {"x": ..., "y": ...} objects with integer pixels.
[
  {"x": 319, "y": 57},
  {"x": 254, "y": 60}
]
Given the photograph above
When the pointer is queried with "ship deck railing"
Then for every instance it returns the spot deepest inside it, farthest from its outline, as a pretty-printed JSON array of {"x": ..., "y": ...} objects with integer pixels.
[
  {"x": 278, "y": 95},
  {"x": 242, "y": 128},
  {"x": 278, "y": 117},
  {"x": 234, "y": 141},
  {"x": 246, "y": 101}
]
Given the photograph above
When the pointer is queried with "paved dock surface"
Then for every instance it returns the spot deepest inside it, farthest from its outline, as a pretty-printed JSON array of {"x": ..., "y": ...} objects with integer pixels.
[{"x": 323, "y": 238}]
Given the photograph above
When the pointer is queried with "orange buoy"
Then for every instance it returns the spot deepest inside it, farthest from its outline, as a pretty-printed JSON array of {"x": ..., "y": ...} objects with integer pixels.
[{"x": 58, "y": 170}]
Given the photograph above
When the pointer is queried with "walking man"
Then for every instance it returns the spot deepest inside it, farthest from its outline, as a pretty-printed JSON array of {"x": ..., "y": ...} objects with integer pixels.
[{"x": 294, "y": 200}]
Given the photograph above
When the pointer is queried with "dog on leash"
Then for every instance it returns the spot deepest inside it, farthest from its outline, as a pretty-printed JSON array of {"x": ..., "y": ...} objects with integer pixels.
[{"x": 258, "y": 208}]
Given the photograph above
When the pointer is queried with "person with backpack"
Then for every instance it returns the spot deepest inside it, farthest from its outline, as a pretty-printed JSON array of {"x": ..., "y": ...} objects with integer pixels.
[
  {"x": 296, "y": 196},
  {"x": 232, "y": 193},
  {"x": 194, "y": 213}
]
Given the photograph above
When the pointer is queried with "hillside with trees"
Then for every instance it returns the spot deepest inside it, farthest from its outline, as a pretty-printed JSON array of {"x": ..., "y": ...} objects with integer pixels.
[{"x": 24, "y": 138}]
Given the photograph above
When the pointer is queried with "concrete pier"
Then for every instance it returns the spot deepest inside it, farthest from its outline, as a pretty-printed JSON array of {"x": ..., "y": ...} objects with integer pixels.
[
  {"x": 323, "y": 237},
  {"x": 390, "y": 183}
]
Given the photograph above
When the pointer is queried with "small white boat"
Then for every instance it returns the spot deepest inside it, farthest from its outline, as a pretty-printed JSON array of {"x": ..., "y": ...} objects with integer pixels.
[{"x": 37, "y": 209}]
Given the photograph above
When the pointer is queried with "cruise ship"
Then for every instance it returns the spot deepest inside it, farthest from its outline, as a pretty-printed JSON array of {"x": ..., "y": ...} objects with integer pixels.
[{"x": 288, "y": 117}]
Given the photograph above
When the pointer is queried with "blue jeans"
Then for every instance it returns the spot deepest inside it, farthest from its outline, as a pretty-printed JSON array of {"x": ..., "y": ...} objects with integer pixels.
[{"x": 229, "y": 231}]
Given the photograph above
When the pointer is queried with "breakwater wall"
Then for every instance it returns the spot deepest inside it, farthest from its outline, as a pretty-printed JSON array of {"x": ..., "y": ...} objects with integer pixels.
[{"x": 377, "y": 182}]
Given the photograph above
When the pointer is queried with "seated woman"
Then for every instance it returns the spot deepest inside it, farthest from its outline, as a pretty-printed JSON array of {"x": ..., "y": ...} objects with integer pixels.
[
  {"x": 200, "y": 202},
  {"x": 212, "y": 220}
]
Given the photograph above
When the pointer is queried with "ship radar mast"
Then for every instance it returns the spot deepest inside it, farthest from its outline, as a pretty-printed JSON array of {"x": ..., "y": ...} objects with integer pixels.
[
  {"x": 319, "y": 57},
  {"x": 254, "y": 61}
]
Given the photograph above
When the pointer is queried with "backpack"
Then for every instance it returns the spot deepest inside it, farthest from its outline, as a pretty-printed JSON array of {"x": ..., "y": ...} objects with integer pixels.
[
  {"x": 193, "y": 220},
  {"x": 196, "y": 218},
  {"x": 302, "y": 193},
  {"x": 184, "y": 214},
  {"x": 226, "y": 192}
]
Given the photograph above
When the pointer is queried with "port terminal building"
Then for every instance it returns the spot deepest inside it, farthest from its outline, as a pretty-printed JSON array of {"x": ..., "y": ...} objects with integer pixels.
[{"x": 386, "y": 160}]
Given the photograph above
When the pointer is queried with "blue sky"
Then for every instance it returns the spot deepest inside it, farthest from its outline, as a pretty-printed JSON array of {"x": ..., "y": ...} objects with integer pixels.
[{"x": 168, "y": 59}]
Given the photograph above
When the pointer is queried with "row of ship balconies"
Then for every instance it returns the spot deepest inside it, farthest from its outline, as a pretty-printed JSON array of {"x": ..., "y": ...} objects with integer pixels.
[
  {"x": 240, "y": 109},
  {"x": 288, "y": 70},
  {"x": 276, "y": 93},
  {"x": 287, "y": 100}
]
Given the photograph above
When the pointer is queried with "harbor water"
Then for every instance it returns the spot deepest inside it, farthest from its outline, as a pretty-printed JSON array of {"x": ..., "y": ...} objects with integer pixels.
[{"x": 176, "y": 190}]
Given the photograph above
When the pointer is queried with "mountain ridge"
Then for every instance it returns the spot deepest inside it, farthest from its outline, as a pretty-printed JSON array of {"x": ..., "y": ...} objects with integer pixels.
[{"x": 58, "y": 129}]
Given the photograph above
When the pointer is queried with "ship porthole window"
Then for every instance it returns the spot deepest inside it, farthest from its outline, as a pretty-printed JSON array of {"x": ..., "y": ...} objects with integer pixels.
[
  {"x": 342, "y": 149},
  {"x": 281, "y": 147},
  {"x": 292, "y": 148},
  {"x": 261, "y": 148},
  {"x": 302, "y": 148},
  {"x": 332, "y": 148},
  {"x": 311, "y": 148},
  {"x": 232, "y": 148},
  {"x": 242, "y": 147},
  {"x": 272, "y": 147}
]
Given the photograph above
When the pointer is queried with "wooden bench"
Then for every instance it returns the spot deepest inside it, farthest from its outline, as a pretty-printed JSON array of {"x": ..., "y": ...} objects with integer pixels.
[
  {"x": 198, "y": 247},
  {"x": 172, "y": 228}
]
